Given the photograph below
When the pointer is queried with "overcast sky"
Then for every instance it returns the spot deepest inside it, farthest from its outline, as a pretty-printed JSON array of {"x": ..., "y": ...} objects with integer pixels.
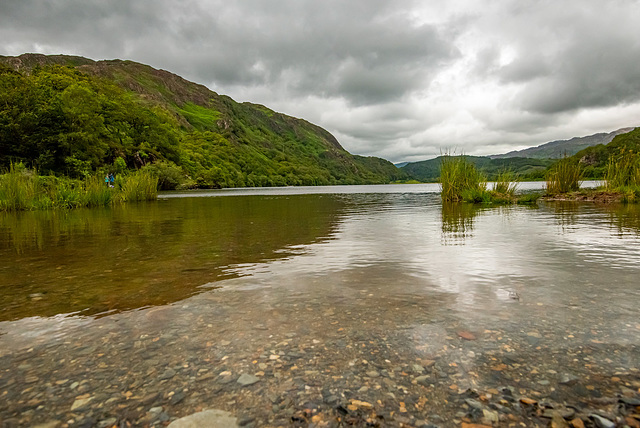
[{"x": 404, "y": 80}]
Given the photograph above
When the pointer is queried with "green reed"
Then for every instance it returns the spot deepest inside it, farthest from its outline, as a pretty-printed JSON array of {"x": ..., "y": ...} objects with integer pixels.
[
  {"x": 564, "y": 177},
  {"x": 506, "y": 183},
  {"x": 460, "y": 179},
  {"x": 623, "y": 170},
  {"x": 138, "y": 186},
  {"x": 22, "y": 189}
]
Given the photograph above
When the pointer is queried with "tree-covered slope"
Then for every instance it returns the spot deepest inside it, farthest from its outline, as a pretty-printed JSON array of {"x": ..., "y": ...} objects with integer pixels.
[
  {"x": 594, "y": 160},
  {"x": 429, "y": 170},
  {"x": 72, "y": 115}
]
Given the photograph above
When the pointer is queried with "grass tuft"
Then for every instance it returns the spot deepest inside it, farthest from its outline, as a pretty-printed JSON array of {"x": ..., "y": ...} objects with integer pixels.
[
  {"x": 460, "y": 178},
  {"x": 564, "y": 177}
]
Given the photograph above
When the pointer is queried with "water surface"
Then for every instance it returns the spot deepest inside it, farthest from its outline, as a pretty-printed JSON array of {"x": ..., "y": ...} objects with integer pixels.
[{"x": 317, "y": 294}]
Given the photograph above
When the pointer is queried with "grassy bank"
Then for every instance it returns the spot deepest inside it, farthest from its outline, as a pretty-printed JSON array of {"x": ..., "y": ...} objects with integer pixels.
[
  {"x": 461, "y": 181},
  {"x": 23, "y": 189},
  {"x": 622, "y": 180}
]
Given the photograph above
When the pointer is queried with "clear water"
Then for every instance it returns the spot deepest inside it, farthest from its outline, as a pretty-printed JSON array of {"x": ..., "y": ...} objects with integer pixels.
[{"x": 187, "y": 281}]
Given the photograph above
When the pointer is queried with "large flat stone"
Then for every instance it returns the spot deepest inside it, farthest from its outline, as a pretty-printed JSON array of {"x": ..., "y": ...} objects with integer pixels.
[{"x": 212, "y": 418}]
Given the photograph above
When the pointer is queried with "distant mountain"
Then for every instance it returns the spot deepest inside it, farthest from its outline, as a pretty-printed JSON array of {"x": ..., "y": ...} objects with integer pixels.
[
  {"x": 560, "y": 148},
  {"x": 429, "y": 170},
  {"x": 72, "y": 115}
]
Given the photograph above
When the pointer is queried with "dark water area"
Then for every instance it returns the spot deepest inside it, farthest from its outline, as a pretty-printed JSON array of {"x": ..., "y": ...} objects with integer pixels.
[{"x": 346, "y": 306}]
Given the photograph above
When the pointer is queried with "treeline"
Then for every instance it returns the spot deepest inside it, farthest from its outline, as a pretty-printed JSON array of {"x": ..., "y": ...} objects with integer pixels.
[{"x": 66, "y": 122}]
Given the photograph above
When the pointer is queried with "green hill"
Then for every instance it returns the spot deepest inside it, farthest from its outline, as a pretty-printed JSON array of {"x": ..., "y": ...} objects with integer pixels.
[
  {"x": 526, "y": 168},
  {"x": 595, "y": 159},
  {"x": 75, "y": 116}
]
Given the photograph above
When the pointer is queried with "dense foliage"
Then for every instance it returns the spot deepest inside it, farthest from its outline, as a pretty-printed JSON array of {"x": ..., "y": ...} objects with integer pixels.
[
  {"x": 110, "y": 116},
  {"x": 595, "y": 160}
]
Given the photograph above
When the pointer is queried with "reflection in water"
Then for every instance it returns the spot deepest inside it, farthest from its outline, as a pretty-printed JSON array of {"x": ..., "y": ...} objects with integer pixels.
[
  {"x": 457, "y": 222},
  {"x": 132, "y": 256},
  {"x": 625, "y": 219}
]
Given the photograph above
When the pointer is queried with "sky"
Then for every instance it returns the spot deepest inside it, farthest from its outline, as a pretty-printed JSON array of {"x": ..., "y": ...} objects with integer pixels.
[{"x": 403, "y": 80}]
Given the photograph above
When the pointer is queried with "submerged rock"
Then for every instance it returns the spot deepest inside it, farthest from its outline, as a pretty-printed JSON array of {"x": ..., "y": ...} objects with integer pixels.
[
  {"x": 247, "y": 379},
  {"x": 213, "y": 418}
]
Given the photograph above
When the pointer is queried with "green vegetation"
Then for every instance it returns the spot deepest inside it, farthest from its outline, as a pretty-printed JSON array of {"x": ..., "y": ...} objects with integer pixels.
[
  {"x": 506, "y": 183},
  {"x": 596, "y": 160},
  {"x": 23, "y": 189},
  {"x": 564, "y": 177},
  {"x": 73, "y": 117},
  {"x": 461, "y": 181},
  {"x": 623, "y": 175},
  {"x": 524, "y": 168}
]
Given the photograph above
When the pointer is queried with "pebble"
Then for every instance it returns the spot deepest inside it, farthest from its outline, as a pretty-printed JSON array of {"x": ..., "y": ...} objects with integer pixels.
[
  {"x": 568, "y": 379},
  {"x": 80, "y": 403},
  {"x": 602, "y": 422},
  {"x": 167, "y": 374}
]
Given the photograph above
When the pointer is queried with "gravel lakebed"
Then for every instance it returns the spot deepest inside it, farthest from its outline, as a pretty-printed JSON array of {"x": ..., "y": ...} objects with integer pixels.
[{"x": 271, "y": 358}]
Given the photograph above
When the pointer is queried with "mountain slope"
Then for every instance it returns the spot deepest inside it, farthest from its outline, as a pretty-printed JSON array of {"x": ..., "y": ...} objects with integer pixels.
[
  {"x": 559, "y": 148},
  {"x": 73, "y": 115},
  {"x": 595, "y": 159}
]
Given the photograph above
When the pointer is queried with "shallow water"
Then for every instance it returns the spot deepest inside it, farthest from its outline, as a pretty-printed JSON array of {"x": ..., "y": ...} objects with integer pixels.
[{"x": 317, "y": 294}]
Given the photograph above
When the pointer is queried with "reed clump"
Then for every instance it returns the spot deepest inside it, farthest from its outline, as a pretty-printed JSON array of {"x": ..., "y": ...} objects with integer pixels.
[
  {"x": 564, "y": 177},
  {"x": 22, "y": 189},
  {"x": 506, "y": 183},
  {"x": 623, "y": 170},
  {"x": 623, "y": 175},
  {"x": 460, "y": 180},
  {"x": 139, "y": 186}
]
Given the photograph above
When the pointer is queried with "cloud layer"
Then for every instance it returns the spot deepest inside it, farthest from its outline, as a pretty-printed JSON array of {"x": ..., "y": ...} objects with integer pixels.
[{"x": 397, "y": 79}]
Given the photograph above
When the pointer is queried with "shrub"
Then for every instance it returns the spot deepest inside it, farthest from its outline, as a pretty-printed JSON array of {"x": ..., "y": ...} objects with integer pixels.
[{"x": 169, "y": 175}]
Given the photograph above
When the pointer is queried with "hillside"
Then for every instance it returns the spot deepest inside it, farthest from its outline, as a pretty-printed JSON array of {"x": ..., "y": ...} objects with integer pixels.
[
  {"x": 560, "y": 148},
  {"x": 594, "y": 160},
  {"x": 75, "y": 116},
  {"x": 429, "y": 170}
]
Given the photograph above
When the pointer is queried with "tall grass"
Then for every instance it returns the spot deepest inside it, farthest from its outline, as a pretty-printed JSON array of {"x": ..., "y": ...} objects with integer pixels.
[
  {"x": 623, "y": 170},
  {"x": 506, "y": 183},
  {"x": 623, "y": 175},
  {"x": 139, "y": 186},
  {"x": 22, "y": 189},
  {"x": 459, "y": 178},
  {"x": 564, "y": 177}
]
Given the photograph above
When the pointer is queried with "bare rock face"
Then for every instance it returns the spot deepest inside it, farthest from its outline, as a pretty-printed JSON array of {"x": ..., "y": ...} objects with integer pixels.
[{"x": 212, "y": 418}]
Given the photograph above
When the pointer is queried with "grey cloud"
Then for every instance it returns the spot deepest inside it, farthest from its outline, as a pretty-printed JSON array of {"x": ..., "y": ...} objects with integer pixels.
[
  {"x": 401, "y": 82},
  {"x": 568, "y": 56},
  {"x": 365, "y": 51}
]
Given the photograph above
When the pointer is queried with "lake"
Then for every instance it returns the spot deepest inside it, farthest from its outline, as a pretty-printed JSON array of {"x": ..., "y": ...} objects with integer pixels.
[{"x": 320, "y": 306}]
